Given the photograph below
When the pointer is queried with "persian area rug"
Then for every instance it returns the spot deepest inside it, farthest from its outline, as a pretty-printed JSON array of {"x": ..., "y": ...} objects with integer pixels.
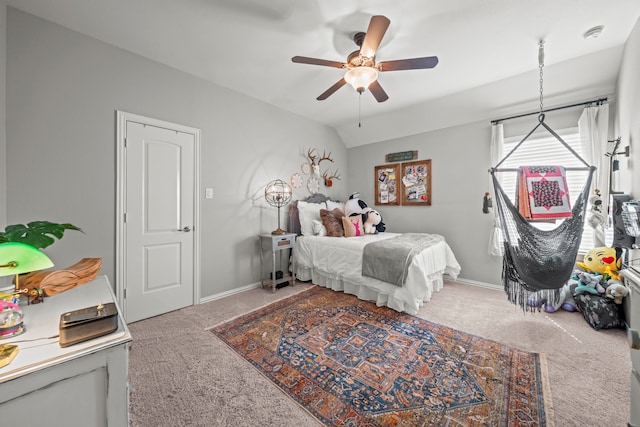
[{"x": 350, "y": 363}]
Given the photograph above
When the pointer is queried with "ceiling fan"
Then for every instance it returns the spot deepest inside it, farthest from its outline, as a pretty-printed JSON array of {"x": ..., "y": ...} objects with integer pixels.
[{"x": 363, "y": 70}]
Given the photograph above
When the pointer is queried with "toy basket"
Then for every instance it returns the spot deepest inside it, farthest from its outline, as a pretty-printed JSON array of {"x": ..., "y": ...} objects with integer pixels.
[{"x": 631, "y": 218}]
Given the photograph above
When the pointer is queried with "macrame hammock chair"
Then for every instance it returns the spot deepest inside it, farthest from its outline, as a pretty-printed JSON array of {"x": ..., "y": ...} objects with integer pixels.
[{"x": 534, "y": 260}]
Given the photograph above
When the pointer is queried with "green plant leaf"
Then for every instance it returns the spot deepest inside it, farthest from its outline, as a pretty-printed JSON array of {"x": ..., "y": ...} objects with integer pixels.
[{"x": 37, "y": 233}]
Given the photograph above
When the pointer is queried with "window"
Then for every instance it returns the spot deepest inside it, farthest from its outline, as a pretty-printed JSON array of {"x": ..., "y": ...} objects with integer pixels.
[{"x": 544, "y": 149}]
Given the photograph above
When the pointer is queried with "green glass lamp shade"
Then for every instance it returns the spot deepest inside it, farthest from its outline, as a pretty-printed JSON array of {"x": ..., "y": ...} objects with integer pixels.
[{"x": 19, "y": 258}]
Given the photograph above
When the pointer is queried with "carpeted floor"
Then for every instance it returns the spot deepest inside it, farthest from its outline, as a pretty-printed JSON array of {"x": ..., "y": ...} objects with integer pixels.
[
  {"x": 181, "y": 375},
  {"x": 348, "y": 362}
]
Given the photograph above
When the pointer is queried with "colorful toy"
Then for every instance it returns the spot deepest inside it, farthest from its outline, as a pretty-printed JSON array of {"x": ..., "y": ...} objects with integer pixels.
[
  {"x": 588, "y": 282},
  {"x": 603, "y": 260}
]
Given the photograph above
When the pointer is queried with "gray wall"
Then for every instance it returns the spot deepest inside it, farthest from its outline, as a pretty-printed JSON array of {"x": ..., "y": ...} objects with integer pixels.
[
  {"x": 63, "y": 90},
  {"x": 628, "y": 113}
]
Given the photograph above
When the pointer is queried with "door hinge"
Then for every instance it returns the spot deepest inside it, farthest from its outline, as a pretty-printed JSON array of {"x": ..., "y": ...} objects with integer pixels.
[
  {"x": 125, "y": 142},
  {"x": 124, "y": 217},
  {"x": 124, "y": 293}
]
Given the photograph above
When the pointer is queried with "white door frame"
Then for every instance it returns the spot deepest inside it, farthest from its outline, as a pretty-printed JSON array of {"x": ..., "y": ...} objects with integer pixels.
[{"x": 121, "y": 179}]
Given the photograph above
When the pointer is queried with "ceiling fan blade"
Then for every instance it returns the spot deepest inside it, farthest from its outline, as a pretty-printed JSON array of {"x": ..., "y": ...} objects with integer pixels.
[
  {"x": 408, "y": 64},
  {"x": 327, "y": 93},
  {"x": 377, "y": 27},
  {"x": 378, "y": 93},
  {"x": 316, "y": 61}
]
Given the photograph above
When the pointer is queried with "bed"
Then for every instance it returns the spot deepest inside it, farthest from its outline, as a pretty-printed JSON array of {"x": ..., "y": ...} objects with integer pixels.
[{"x": 337, "y": 262}]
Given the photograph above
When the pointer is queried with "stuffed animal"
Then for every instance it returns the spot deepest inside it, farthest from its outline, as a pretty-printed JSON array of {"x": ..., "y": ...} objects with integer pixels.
[
  {"x": 603, "y": 260},
  {"x": 372, "y": 219},
  {"x": 596, "y": 217},
  {"x": 587, "y": 283},
  {"x": 565, "y": 301},
  {"x": 354, "y": 206},
  {"x": 616, "y": 291}
]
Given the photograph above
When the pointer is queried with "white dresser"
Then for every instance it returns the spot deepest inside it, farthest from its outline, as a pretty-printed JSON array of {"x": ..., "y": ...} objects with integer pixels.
[
  {"x": 632, "y": 312},
  {"x": 85, "y": 384}
]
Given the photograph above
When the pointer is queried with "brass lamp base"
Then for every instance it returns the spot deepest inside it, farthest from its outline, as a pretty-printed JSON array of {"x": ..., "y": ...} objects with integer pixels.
[{"x": 278, "y": 232}]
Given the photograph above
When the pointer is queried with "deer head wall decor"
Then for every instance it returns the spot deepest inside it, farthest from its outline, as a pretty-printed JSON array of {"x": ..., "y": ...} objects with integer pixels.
[
  {"x": 315, "y": 162},
  {"x": 328, "y": 180}
]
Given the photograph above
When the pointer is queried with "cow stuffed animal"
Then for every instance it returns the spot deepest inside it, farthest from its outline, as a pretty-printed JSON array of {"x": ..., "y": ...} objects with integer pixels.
[
  {"x": 356, "y": 206},
  {"x": 372, "y": 219}
]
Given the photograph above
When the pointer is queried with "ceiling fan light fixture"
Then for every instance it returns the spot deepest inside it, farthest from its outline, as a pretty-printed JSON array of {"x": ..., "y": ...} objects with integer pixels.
[{"x": 361, "y": 77}]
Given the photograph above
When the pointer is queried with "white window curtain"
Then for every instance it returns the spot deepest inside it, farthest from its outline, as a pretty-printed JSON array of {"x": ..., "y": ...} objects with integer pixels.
[
  {"x": 593, "y": 127},
  {"x": 497, "y": 144}
]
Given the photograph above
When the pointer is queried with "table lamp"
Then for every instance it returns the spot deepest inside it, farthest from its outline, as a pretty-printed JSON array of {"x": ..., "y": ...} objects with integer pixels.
[
  {"x": 278, "y": 193},
  {"x": 18, "y": 258}
]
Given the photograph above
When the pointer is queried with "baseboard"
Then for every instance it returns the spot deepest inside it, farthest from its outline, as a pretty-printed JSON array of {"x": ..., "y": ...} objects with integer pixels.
[
  {"x": 230, "y": 292},
  {"x": 479, "y": 284}
]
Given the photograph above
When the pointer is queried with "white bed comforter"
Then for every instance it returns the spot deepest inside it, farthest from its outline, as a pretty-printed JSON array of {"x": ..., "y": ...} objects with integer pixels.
[{"x": 336, "y": 263}]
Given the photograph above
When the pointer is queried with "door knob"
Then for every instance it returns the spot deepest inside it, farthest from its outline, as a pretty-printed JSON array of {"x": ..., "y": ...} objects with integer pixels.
[{"x": 185, "y": 229}]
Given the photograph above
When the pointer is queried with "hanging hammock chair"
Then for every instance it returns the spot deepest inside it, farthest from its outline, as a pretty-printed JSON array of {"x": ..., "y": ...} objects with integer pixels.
[{"x": 534, "y": 260}]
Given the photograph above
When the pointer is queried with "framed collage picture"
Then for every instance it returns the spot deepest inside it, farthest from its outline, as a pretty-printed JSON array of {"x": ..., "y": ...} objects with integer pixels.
[
  {"x": 416, "y": 183},
  {"x": 387, "y": 184}
]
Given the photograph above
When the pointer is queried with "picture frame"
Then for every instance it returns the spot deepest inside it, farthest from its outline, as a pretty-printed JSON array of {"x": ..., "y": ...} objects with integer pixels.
[
  {"x": 416, "y": 183},
  {"x": 387, "y": 183}
]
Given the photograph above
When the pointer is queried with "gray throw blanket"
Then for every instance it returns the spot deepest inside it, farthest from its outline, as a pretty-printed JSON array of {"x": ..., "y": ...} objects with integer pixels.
[{"x": 388, "y": 260}]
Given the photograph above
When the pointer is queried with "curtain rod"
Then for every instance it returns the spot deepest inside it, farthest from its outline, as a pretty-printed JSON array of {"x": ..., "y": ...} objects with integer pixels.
[{"x": 598, "y": 101}]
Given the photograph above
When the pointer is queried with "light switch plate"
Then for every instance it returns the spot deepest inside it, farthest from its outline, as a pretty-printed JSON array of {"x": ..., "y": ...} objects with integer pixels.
[{"x": 208, "y": 193}]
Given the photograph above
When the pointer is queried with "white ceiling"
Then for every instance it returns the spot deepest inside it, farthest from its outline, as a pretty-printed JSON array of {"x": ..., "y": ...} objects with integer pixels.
[{"x": 487, "y": 51}]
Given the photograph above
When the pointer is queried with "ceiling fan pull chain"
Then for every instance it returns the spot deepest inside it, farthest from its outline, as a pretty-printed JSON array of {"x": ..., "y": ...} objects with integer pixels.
[
  {"x": 359, "y": 109},
  {"x": 540, "y": 66}
]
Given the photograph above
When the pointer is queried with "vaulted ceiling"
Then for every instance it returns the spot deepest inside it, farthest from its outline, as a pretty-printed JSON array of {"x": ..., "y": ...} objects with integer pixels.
[{"x": 487, "y": 50}]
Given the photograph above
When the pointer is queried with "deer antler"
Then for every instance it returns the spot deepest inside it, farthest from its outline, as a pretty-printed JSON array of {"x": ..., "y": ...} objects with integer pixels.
[
  {"x": 335, "y": 176},
  {"x": 325, "y": 157},
  {"x": 312, "y": 156},
  {"x": 328, "y": 180}
]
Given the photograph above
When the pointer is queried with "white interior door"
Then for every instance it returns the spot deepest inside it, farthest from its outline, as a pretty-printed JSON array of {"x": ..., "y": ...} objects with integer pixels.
[{"x": 159, "y": 219}]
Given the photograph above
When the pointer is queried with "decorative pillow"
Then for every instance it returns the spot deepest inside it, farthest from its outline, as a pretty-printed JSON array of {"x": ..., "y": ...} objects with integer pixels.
[
  {"x": 307, "y": 213},
  {"x": 332, "y": 221},
  {"x": 600, "y": 312},
  {"x": 331, "y": 205},
  {"x": 318, "y": 228},
  {"x": 352, "y": 226}
]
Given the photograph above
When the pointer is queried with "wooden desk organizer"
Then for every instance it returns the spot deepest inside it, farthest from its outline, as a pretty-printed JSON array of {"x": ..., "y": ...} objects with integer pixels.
[{"x": 53, "y": 282}]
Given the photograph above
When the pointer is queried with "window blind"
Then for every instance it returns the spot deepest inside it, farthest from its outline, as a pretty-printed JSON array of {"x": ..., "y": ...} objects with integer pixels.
[{"x": 544, "y": 149}]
